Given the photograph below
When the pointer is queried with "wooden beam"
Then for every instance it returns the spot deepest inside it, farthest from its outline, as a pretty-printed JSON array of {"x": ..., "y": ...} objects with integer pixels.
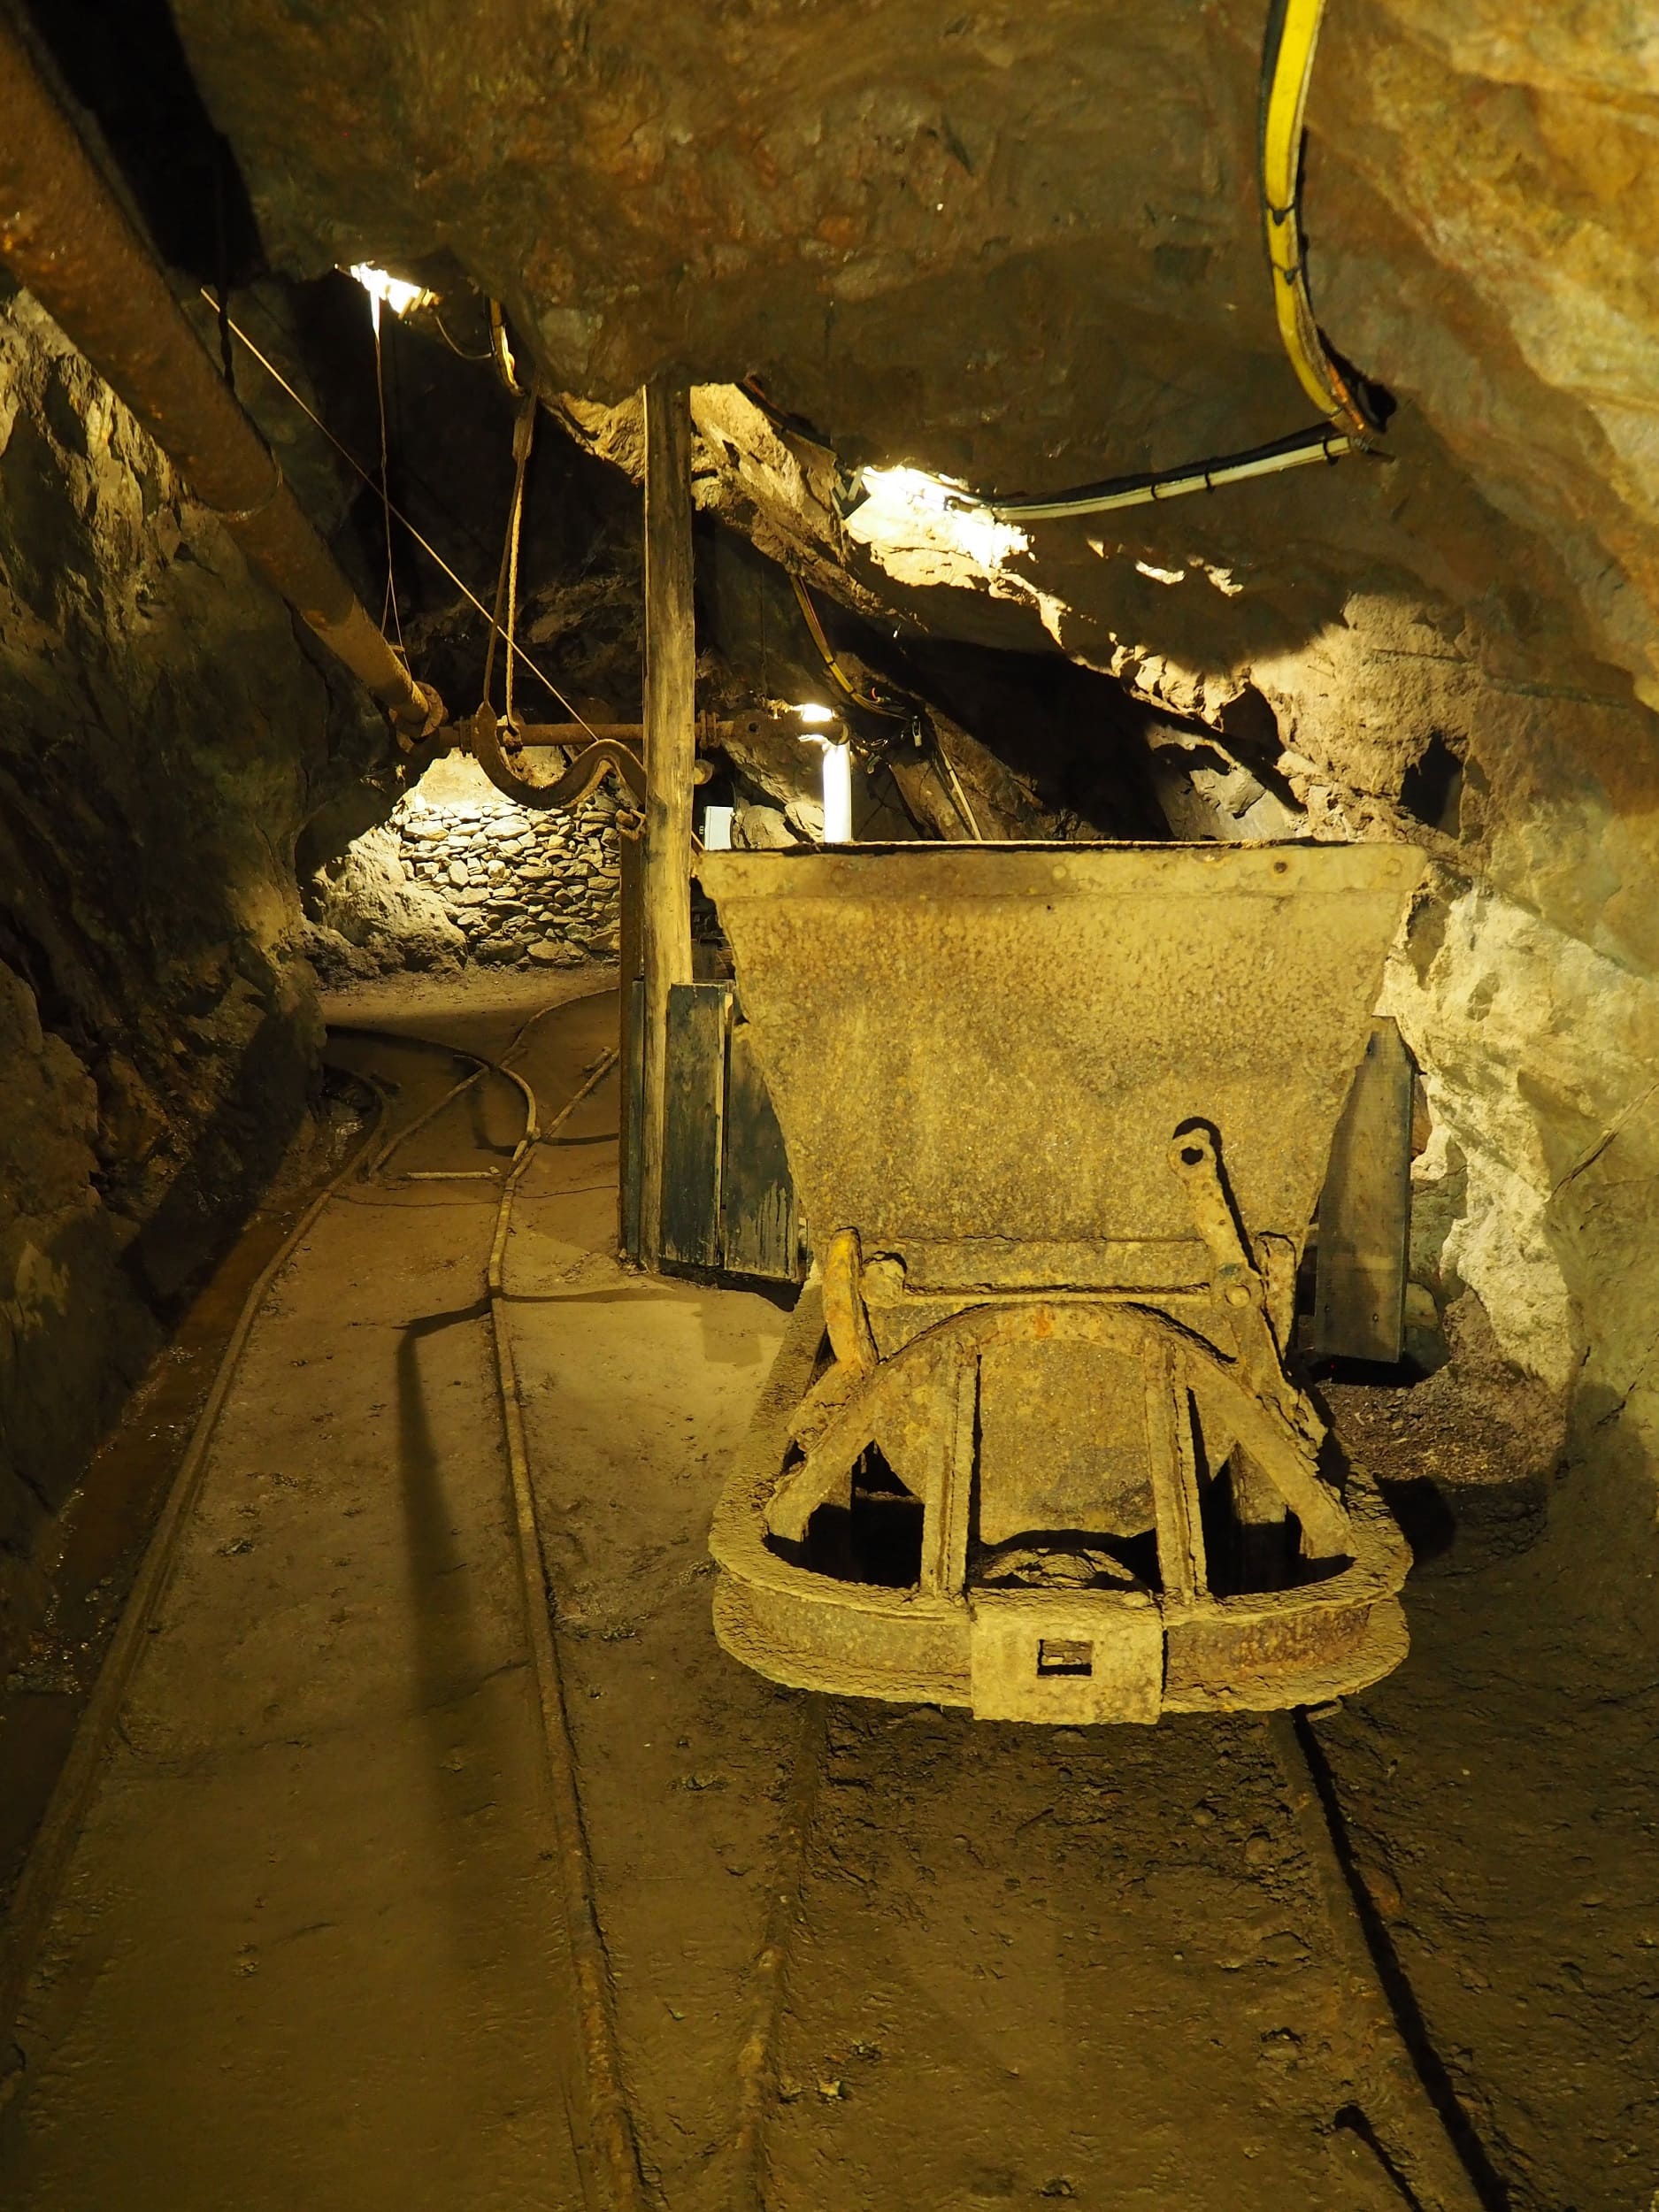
[
  {"x": 671, "y": 742},
  {"x": 630, "y": 995},
  {"x": 760, "y": 1228},
  {"x": 698, "y": 1016}
]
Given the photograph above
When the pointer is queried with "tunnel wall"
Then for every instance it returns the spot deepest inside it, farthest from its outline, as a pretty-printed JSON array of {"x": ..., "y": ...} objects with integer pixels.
[{"x": 160, "y": 734}]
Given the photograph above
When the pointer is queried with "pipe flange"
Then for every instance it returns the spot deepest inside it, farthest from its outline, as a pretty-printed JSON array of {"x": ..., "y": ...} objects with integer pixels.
[{"x": 252, "y": 514}]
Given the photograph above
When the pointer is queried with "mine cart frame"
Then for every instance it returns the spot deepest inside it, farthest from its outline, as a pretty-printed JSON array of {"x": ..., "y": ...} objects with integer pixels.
[
  {"x": 1138, "y": 1296},
  {"x": 1040, "y": 1656}
]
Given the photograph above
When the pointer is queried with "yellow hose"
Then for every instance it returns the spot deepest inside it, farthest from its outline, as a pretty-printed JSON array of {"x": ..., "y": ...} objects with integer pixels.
[{"x": 1292, "y": 33}]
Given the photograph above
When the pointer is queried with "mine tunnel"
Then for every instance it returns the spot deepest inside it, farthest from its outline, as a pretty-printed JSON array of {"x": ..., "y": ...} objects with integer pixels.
[{"x": 828, "y": 1060}]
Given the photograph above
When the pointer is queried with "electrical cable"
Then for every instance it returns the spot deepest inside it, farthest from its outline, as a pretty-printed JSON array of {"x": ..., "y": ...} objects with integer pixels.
[
  {"x": 388, "y": 605},
  {"x": 1355, "y": 411},
  {"x": 501, "y": 350},
  {"x": 487, "y": 355},
  {"x": 871, "y": 705},
  {"x": 375, "y": 1169},
  {"x": 1299, "y": 451},
  {"x": 1292, "y": 33},
  {"x": 838, "y": 675}
]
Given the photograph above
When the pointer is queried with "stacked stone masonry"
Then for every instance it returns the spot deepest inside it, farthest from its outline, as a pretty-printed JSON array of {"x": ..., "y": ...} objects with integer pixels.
[{"x": 520, "y": 888}]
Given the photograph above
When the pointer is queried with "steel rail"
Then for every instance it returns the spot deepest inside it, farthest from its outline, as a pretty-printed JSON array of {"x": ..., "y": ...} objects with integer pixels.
[
  {"x": 608, "y": 2112},
  {"x": 1407, "y": 2119}
]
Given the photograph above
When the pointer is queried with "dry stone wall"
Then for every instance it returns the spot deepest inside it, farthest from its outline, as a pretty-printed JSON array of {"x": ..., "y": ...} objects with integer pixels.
[
  {"x": 460, "y": 875},
  {"x": 517, "y": 887}
]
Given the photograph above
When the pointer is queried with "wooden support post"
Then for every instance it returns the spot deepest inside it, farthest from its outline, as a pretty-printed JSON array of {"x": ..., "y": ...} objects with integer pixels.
[
  {"x": 629, "y": 1047},
  {"x": 670, "y": 736},
  {"x": 699, "y": 1015}
]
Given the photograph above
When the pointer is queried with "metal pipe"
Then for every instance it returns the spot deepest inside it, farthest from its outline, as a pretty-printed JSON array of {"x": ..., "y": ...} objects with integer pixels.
[
  {"x": 610, "y": 748},
  {"x": 606, "y": 755},
  {"x": 66, "y": 238}
]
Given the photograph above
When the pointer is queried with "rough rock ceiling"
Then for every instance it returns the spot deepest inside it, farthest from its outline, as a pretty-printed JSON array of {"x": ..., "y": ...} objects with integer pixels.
[{"x": 1021, "y": 246}]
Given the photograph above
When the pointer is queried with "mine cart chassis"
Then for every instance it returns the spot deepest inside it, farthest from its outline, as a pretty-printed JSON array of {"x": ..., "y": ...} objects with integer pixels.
[
  {"x": 871, "y": 1362},
  {"x": 1059, "y": 1117}
]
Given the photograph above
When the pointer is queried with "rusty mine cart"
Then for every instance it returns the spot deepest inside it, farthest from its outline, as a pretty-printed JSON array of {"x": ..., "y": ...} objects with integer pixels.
[{"x": 1059, "y": 1115}]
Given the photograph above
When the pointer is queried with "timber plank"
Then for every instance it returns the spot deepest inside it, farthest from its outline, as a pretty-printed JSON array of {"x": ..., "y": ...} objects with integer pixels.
[
  {"x": 760, "y": 1231},
  {"x": 693, "y": 1123}
]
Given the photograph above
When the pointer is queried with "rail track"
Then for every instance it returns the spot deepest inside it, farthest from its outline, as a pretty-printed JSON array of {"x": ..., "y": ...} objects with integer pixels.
[
  {"x": 869, "y": 1811},
  {"x": 1401, "y": 2118}
]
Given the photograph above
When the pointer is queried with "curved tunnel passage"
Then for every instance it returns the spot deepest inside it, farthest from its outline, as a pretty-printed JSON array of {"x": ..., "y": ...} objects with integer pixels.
[{"x": 339, "y": 1862}]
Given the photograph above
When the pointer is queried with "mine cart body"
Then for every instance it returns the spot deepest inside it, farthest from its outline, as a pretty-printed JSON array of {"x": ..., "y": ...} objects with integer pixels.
[{"x": 1059, "y": 1117}]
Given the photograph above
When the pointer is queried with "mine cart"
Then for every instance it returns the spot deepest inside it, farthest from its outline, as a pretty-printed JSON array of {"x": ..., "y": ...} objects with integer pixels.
[{"x": 1059, "y": 1117}]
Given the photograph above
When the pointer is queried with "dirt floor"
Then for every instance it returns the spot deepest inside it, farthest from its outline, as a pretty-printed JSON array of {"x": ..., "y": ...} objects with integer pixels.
[{"x": 311, "y": 1951}]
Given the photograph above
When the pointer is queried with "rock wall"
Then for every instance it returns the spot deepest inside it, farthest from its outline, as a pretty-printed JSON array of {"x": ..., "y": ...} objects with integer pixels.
[
  {"x": 459, "y": 874},
  {"x": 162, "y": 737}
]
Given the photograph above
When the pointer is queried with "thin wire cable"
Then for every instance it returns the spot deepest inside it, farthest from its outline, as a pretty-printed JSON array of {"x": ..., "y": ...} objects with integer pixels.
[
  {"x": 524, "y": 434},
  {"x": 959, "y": 797},
  {"x": 507, "y": 577},
  {"x": 838, "y": 675},
  {"x": 495, "y": 630},
  {"x": 426, "y": 545},
  {"x": 388, "y": 605}
]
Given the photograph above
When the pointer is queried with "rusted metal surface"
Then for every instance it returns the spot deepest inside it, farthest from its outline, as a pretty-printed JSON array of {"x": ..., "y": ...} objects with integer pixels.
[
  {"x": 1060, "y": 1115},
  {"x": 906, "y": 1645},
  {"x": 972, "y": 1046},
  {"x": 496, "y": 752},
  {"x": 1365, "y": 1209},
  {"x": 65, "y": 236},
  {"x": 845, "y": 1318},
  {"x": 601, "y": 749}
]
